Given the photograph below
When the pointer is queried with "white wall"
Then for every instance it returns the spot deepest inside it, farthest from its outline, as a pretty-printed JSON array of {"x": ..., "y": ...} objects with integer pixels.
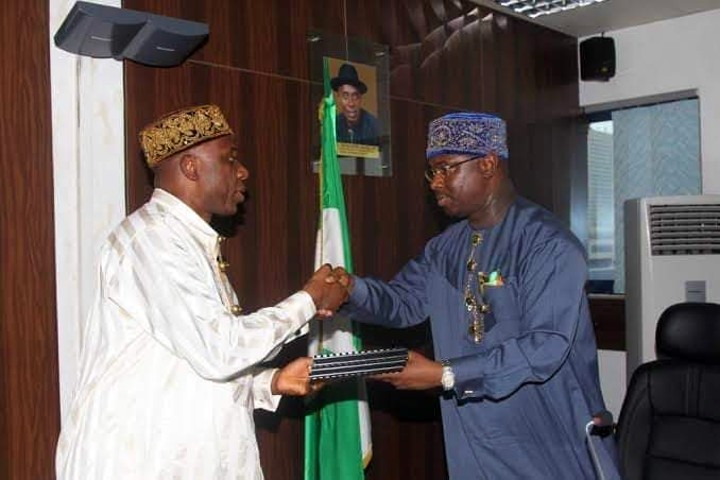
[
  {"x": 659, "y": 59},
  {"x": 89, "y": 180},
  {"x": 670, "y": 56}
]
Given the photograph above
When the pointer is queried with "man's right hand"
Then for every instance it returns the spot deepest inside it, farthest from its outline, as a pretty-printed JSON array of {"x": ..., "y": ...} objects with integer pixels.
[{"x": 328, "y": 288}]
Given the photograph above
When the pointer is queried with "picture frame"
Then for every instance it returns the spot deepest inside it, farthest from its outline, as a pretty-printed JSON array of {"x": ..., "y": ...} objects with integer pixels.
[{"x": 359, "y": 78}]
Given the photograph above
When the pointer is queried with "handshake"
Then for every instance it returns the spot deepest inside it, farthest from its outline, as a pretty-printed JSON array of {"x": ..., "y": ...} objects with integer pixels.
[{"x": 329, "y": 288}]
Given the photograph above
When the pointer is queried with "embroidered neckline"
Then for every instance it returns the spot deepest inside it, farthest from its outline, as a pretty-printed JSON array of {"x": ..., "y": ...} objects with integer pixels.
[{"x": 475, "y": 281}]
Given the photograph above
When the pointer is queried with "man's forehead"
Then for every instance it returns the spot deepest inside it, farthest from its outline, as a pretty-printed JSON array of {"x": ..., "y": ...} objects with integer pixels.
[
  {"x": 348, "y": 88},
  {"x": 447, "y": 158},
  {"x": 220, "y": 144},
  {"x": 226, "y": 142}
]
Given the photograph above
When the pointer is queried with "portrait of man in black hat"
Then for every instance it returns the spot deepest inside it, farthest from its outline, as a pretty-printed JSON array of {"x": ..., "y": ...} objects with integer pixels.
[{"x": 354, "y": 123}]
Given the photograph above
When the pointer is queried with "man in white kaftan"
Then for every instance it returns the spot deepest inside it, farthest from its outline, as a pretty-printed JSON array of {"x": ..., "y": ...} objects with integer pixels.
[{"x": 168, "y": 378}]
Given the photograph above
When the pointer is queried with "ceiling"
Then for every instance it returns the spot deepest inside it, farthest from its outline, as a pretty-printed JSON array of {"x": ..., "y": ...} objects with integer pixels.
[{"x": 614, "y": 14}]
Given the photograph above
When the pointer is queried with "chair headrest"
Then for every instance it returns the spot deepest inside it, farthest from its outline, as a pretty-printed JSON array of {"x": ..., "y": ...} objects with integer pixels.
[{"x": 690, "y": 331}]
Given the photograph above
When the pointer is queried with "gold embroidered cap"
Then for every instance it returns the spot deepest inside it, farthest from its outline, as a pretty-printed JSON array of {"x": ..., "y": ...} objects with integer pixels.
[{"x": 180, "y": 130}]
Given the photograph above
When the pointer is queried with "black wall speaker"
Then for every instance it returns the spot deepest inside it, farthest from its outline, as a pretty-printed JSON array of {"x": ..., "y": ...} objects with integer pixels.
[
  {"x": 165, "y": 41},
  {"x": 597, "y": 58},
  {"x": 102, "y": 31}
]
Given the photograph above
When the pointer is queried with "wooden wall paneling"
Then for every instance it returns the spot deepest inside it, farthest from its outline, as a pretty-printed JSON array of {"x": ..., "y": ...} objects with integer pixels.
[
  {"x": 404, "y": 38},
  {"x": 545, "y": 71},
  {"x": 509, "y": 93},
  {"x": 453, "y": 68},
  {"x": 505, "y": 68},
  {"x": 391, "y": 31},
  {"x": 487, "y": 46},
  {"x": 281, "y": 436},
  {"x": 521, "y": 134},
  {"x": 560, "y": 75},
  {"x": 29, "y": 392},
  {"x": 519, "y": 148},
  {"x": 237, "y": 93},
  {"x": 407, "y": 435},
  {"x": 442, "y": 58},
  {"x": 562, "y": 138},
  {"x": 418, "y": 216},
  {"x": 303, "y": 184},
  {"x": 525, "y": 39},
  {"x": 328, "y": 16},
  {"x": 270, "y": 186},
  {"x": 608, "y": 315},
  {"x": 276, "y": 241},
  {"x": 541, "y": 165},
  {"x": 481, "y": 50},
  {"x": 364, "y": 18},
  {"x": 163, "y": 90}
]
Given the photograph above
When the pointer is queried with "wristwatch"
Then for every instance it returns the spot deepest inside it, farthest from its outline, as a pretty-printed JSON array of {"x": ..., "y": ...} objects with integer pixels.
[{"x": 448, "y": 377}]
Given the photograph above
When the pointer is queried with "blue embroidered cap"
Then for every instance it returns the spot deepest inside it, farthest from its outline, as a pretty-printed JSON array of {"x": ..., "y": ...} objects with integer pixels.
[{"x": 467, "y": 133}]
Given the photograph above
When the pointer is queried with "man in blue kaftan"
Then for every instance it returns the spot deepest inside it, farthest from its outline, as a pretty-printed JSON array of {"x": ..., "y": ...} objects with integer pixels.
[{"x": 504, "y": 292}]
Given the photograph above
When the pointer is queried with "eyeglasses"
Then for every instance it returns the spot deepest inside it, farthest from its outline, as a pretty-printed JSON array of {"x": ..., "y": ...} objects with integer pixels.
[
  {"x": 446, "y": 170},
  {"x": 355, "y": 96}
]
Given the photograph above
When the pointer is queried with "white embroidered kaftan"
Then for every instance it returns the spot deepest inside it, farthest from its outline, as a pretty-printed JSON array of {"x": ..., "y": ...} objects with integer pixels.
[{"x": 167, "y": 385}]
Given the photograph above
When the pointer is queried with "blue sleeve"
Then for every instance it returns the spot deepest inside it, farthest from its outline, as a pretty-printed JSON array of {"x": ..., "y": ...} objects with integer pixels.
[
  {"x": 549, "y": 305},
  {"x": 399, "y": 303}
]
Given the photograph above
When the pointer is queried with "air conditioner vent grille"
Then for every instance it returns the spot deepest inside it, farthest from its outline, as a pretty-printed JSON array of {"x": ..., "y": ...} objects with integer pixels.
[{"x": 685, "y": 229}]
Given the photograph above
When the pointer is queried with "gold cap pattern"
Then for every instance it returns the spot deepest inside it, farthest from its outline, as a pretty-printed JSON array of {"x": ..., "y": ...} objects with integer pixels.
[{"x": 180, "y": 130}]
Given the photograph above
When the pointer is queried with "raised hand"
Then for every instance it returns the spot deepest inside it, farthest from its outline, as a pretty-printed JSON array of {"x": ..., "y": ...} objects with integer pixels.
[{"x": 420, "y": 373}]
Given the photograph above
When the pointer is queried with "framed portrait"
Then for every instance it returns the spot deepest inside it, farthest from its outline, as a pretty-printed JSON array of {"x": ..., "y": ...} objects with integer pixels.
[{"x": 359, "y": 80}]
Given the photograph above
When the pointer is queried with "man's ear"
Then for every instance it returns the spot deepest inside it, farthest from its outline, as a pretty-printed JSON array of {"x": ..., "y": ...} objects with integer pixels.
[
  {"x": 189, "y": 164},
  {"x": 489, "y": 165}
]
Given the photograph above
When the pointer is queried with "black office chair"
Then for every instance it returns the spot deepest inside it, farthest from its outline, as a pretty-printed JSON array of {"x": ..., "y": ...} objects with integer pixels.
[{"x": 669, "y": 425}]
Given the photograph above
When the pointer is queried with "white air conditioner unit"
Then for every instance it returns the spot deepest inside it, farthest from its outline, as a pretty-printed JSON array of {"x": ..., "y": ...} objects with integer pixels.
[{"x": 672, "y": 255}]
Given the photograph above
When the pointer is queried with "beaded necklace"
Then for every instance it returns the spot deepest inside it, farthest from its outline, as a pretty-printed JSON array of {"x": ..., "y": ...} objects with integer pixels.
[{"x": 226, "y": 291}]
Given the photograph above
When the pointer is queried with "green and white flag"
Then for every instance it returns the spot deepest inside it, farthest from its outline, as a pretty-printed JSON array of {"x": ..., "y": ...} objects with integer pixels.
[{"x": 337, "y": 430}]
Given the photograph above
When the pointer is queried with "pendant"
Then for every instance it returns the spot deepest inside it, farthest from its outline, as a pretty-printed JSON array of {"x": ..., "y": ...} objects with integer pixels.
[
  {"x": 223, "y": 265},
  {"x": 476, "y": 331},
  {"x": 471, "y": 265},
  {"x": 470, "y": 302}
]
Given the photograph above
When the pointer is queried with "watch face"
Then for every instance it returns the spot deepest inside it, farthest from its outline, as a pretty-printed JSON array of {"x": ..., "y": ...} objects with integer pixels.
[{"x": 448, "y": 378}]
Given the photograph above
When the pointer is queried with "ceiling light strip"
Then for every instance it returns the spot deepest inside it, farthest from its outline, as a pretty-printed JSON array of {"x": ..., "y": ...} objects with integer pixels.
[{"x": 536, "y": 8}]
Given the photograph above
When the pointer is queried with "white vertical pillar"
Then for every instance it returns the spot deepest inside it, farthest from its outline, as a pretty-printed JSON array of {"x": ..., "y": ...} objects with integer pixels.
[
  {"x": 613, "y": 379},
  {"x": 89, "y": 181}
]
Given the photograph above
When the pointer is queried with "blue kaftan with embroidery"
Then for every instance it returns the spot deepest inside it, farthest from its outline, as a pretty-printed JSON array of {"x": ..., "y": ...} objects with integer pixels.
[{"x": 525, "y": 393}]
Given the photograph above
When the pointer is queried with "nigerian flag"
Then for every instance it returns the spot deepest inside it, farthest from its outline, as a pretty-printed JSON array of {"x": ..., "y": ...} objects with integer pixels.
[{"x": 337, "y": 429}]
